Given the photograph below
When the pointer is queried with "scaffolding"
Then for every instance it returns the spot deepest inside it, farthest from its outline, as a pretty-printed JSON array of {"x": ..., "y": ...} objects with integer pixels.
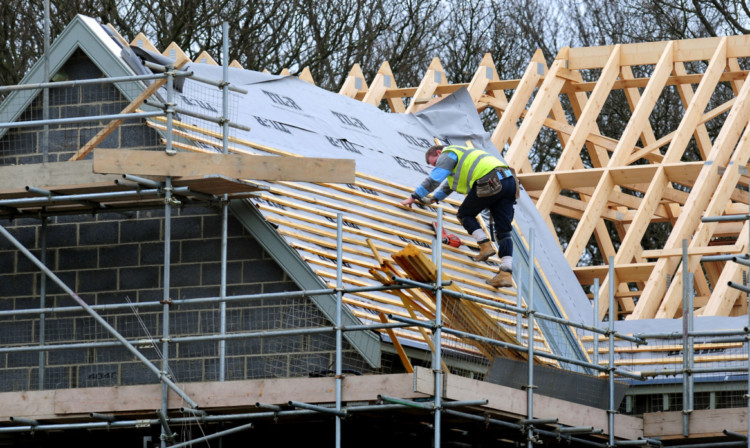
[{"x": 529, "y": 429}]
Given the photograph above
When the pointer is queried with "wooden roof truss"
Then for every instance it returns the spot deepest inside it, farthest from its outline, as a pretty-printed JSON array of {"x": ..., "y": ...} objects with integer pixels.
[{"x": 637, "y": 178}]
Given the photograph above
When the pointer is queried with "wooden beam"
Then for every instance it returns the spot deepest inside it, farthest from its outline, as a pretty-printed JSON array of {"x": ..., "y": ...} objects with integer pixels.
[
  {"x": 681, "y": 172},
  {"x": 175, "y": 53},
  {"x": 65, "y": 403},
  {"x": 205, "y": 58},
  {"x": 434, "y": 77},
  {"x": 723, "y": 298},
  {"x": 734, "y": 76},
  {"x": 485, "y": 73},
  {"x": 506, "y": 127},
  {"x": 355, "y": 85},
  {"x": 548, "y": 93},
  {"x": 587, "y": 121},
  {"x": 383, "y": 82},
  {"x": 700, "y": 134},
  {"x": 306, "y": 75},
  {"x": 650, "y": 52},
  {"x": 158, "y": 163},
  {"x": 141, "y": 41},
  {"x": 513, "y": 401}
]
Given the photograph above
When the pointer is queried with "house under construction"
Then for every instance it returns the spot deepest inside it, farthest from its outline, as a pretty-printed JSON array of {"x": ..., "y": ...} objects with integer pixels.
[{"x": 203, "y": 255}]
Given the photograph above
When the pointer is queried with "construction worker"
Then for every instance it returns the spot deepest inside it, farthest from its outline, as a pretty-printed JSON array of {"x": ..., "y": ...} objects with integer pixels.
[{"x": 488, "y": 183}]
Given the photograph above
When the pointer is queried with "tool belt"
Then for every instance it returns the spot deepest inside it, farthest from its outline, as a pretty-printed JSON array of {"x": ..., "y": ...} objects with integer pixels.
[{"x": 489, "y": 184}]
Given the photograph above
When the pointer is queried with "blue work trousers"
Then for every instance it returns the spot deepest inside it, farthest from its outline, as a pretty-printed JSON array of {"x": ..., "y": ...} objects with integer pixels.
[{"x": 500, "y": 206}]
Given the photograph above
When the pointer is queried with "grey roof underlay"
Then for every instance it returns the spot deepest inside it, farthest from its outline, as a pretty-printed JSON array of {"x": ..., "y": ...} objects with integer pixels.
[{"x": 294, "y": 116}]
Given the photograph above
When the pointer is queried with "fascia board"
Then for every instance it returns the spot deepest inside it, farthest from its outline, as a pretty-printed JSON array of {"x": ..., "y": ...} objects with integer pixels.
[{"x": 365, "y": 342}]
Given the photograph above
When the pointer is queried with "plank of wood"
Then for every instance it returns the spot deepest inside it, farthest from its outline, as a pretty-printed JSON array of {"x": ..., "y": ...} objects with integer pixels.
[
  {"x": 225, "y": 395},
  {"x": 239, "y": 166},
  {"x": 50, "y": 175},
  {"x": 635, "y": 272},
  {"x": 513, "y": 401},
  {"x": 703, "y": 423},
  {"x": 399, "y": 349}
]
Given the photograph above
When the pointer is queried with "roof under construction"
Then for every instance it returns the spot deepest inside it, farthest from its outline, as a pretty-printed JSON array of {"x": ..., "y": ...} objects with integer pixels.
[{"x": 292, "y": 206}]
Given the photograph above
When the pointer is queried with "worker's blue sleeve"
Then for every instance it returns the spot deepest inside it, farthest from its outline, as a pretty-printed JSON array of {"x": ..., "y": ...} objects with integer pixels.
[
  {"x": 436, "y": 177},
  {"x": 442, "y": 193},
  {"x": 443, "y": 168}
]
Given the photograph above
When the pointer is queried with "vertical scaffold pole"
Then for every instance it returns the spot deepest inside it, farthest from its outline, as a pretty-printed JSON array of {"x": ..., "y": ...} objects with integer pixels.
[
  {"x": 437, "y": 358},
  {"x": 339, "y": 333},
  {"x": 530, "y": 342},
  {"x": 519, "y": 304},
  {"x": 170, "y": 108},
  {"x": 42, "y": 299},
  {"x": 225, "y": 88},
  {"x": 685, "y": 332},
  {"x": 166, "y": 301},
  {"x": 611, "y": 353},
  {"x": 595, "y": 322},
  {"x": 224, "y": 203},
  {"x": 45, "y": 91},
  {"x": 689, "y": 348}
]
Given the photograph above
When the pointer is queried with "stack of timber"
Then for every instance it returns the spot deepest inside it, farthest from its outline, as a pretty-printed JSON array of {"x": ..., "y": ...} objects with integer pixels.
[{"x": 460, "y": 314}]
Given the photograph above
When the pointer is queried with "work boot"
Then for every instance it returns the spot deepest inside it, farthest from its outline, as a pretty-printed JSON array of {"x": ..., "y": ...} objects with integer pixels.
[
  {"x": 501, "y": 280},
  {"x": 485, "y": 251}
]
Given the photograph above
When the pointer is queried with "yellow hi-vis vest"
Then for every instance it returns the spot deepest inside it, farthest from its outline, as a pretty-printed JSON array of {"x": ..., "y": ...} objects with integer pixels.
[{"x": 472, "y": 165}]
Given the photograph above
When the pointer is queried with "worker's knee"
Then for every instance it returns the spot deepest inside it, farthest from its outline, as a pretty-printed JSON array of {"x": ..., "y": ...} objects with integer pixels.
[
  {"x": 503, "y": 236},
  {"x": 470, "y": 223}
]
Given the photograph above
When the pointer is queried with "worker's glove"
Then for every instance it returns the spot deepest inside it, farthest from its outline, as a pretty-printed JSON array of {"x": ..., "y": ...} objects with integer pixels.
[{"x": 421, "y": 200}]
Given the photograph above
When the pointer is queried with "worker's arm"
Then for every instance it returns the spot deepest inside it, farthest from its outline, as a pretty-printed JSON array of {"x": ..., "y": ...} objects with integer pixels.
[
  {"x": 442, "y": 193},
  {"x": 443, "y": 168}
]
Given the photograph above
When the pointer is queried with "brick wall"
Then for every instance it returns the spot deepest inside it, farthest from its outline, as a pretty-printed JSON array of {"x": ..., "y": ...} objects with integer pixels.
[{"x": 113, "y": 259}]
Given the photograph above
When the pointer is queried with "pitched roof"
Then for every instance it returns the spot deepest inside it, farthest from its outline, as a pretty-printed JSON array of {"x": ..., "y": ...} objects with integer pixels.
[{"x": 291, "y": 117}]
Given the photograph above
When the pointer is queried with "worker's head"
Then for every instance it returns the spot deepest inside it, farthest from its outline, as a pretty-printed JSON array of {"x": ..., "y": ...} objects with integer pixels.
[{"x": 432, "y": 154}]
